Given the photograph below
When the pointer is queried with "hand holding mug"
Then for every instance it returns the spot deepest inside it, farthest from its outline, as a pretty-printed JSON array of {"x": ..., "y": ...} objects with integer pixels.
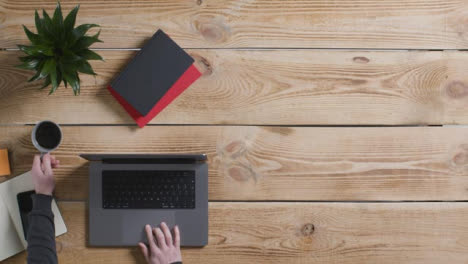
[
  {"x": 46, "y": 137},
  {"x": 42, "y": 174}
]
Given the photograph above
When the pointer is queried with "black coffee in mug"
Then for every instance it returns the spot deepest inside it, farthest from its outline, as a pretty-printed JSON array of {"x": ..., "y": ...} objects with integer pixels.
[{"x": 48, "y": 135}]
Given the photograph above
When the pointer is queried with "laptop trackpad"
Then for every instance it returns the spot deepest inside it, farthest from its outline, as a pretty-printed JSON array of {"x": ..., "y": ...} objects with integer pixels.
[{"x": 133, "y": 224}]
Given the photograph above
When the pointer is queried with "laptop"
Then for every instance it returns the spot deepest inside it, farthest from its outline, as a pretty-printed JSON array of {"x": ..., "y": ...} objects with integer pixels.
[{"x": 128, "y": 191}]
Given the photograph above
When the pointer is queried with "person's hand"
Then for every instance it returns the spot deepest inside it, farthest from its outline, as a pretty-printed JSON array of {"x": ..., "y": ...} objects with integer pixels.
[
  {"x": 42, "y": 174},
  {"x": 163, "y": 248}
]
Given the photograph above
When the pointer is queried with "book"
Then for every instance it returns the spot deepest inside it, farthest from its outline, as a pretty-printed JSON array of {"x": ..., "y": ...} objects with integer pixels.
[
  {"x": 157, "y": 74},
  {"x": 191, "y": 75},
  {"x": 11, "y": 229}
]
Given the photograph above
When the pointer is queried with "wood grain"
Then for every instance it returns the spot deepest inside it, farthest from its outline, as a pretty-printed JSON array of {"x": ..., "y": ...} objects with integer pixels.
[
  {"x": 405, "y": 24},
  {"x": 272, "y": 87},
  {"x": 280, "y": 233},
  {"x": 278, "y": 163}
]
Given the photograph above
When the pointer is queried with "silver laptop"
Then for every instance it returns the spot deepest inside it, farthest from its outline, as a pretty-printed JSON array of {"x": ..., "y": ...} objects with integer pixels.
[{"x": 128, "y": 191}]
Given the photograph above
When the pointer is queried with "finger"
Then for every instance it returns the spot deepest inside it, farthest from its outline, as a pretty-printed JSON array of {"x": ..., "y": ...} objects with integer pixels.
[
  {"x": 46, "y": 164},
  {"x": 144, "y": 251},
  {"x": 167, "y": 233},
  {"x": 150, "y": 237},
  {"x": 160, "y": 237},
  {"x": 55, "y": 162},
  {"x": 37, "y": 163},
  {"x": 177, "y": 236}
]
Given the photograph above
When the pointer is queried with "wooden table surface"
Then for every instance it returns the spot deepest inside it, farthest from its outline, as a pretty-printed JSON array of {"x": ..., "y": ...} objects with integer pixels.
[{"x": 334, "y": 129}]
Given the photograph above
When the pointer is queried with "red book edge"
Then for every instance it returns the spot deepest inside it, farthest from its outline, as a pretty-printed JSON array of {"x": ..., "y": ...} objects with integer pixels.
[{"x": 189, "y": 76}]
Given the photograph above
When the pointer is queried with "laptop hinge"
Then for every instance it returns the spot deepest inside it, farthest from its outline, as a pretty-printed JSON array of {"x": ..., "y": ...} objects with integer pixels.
[{"x": 150, "y": 161}]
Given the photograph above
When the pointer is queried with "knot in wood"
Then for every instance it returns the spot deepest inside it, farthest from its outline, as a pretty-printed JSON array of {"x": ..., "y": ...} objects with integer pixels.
[
  {"x": 308, "y": 229},
  {"x": 207, "y": 69},
  {"x": 213, "y": 28},
  {"x": 457, "y": 89},
  {"x": 203, "y": 65},
  {"x": 361, "y": 59}
]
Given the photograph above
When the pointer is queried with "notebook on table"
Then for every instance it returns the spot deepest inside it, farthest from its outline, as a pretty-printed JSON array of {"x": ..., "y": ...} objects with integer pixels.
[
  {"x": 11, "y": 228},
  {"x": 157, "y": 74}
]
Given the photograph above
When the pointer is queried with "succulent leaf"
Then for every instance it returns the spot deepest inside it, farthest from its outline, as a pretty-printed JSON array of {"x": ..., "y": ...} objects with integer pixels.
[
  {"x": 57, "y": 19},
  {"x": 89, "y": 55},
  {"x": 49, "y": 65},
  {"x": 69, "y": 56},
  {"x": 48, "y": 26},
  {"x": 85, "y": 42},
  {"x": 79, "y": 32},
  {"x": 36, "y": 50},
  {"x": 57, "y": 22},
  {"x": 26, "y": 58},
  {"x": 29, "y": 65},
  {"x": 85, "y": 67},
  {"x": 37, "y": 76},
  {"x": 69, "y": 22},
  {"x": 53, "y": 79},
  {"x": 73, "y": 80},
  {"x": 39, "y": 23},
  {"x": 46, "y": 83},
  {"x": 34, "y": 38}
]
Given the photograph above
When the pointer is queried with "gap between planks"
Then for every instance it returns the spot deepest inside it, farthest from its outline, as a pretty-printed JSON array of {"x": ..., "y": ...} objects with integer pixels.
[
  {"x": 279, "y": 48},
  {"x": 235, "y": 125},
  {"x": 308, "y": 201}
]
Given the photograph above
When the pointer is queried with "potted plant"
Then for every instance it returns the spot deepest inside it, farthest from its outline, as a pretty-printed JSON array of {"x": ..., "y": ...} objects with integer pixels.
[{"x": 59, "y": 50}]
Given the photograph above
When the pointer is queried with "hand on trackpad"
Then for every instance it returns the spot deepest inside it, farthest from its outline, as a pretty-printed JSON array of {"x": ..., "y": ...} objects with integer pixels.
[
  {"x": 135, "y": 226},
  {"x": 163, "y": 245}
]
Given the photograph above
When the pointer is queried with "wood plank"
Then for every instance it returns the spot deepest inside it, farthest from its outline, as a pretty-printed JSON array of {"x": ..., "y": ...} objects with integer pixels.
[
  {"x": 434, "y": 24},
  {"x": 278, "y": 163},
  {"x": 276, "y": 87},
  {"x": 276, "y": 233}
]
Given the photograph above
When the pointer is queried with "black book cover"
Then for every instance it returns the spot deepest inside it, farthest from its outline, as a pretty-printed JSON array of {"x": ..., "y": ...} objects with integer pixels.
[{"x": 152, "y": 72}]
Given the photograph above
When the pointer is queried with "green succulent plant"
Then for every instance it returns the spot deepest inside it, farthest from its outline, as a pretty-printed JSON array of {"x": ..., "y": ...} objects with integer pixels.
[{"x": 59, "y": 50}]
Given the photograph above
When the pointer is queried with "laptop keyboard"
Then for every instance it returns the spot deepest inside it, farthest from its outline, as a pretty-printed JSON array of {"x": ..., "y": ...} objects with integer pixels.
[{"x": 148, "y": 189}]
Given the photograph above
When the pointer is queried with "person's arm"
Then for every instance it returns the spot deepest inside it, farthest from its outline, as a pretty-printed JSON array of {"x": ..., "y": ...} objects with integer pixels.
[
  {"x": 41, "y": 231},
  {"x": 163, "y": 249}
]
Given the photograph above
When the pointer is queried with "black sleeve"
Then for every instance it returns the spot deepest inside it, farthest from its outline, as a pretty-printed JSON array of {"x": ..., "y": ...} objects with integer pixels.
[
  {"x": 41, "y": 231},
  {"x": 178, "y": 262}
]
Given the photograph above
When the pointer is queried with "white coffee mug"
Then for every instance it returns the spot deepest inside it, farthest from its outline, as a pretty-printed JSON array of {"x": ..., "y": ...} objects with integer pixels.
[{"x": 39, "y": 128}]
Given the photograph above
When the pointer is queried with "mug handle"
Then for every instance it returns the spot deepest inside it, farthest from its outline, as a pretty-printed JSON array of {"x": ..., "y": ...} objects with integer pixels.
[{"x": 42, "y": 155}]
